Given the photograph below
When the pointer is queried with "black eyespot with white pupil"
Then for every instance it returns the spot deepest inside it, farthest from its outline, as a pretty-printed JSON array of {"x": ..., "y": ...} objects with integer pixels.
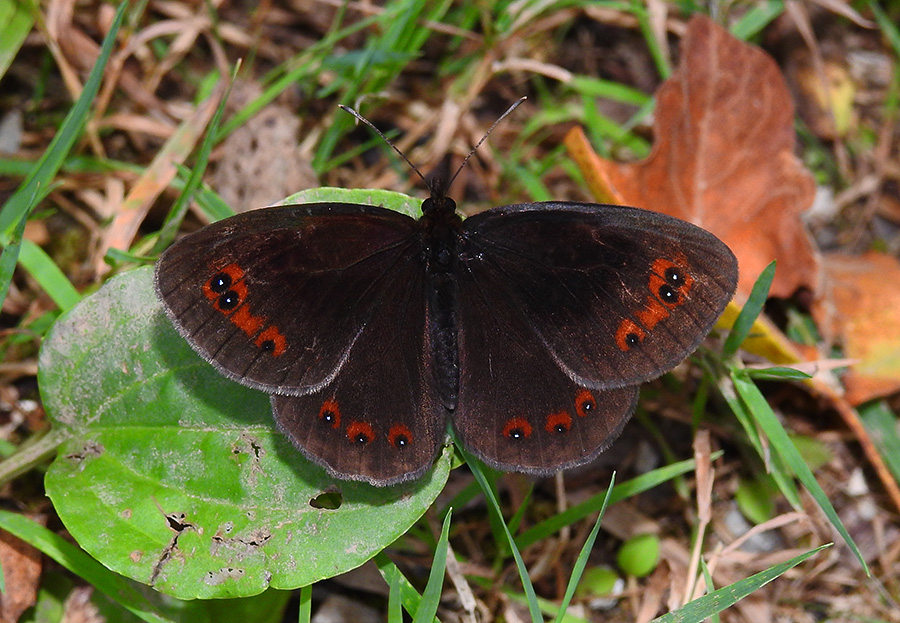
[
  {"x": 674, "y": 277},
  {"x": 632, "y": 339},
  {"x": 668, "y": 294},
  {"x": 229, "y": 300},
  {"x": 268, "y": 346},
  {"x": 220, "y": 283}
]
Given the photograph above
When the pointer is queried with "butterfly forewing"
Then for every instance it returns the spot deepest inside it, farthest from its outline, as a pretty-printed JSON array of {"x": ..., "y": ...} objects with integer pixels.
[
  {"x": 614, "y": 295},
  {"x": 271, "y": 297}
]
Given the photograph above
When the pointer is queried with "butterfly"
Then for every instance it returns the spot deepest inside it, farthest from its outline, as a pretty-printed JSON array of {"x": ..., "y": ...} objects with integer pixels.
[{"x": 526, "y": 327}]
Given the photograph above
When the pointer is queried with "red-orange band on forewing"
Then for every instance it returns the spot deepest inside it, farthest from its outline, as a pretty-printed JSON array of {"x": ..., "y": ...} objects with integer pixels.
[
  {"x": 271, "y": 334},
  {"x": 247, "y": 322}
]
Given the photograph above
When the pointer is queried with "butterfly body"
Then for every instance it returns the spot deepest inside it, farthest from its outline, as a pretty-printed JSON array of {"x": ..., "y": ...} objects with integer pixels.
[{"x": 528, "y": 326}]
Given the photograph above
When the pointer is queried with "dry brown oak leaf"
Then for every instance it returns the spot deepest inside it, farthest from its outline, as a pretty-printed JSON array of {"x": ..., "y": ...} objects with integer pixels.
[{"x": 723, "y": 158}]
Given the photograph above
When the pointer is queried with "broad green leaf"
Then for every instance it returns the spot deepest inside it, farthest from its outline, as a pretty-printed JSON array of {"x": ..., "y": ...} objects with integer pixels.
[{"x": 176, "y": 477}]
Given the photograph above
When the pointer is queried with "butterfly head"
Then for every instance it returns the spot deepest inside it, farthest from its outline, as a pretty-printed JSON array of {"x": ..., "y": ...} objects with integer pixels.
[{"x": 438, "y": 204}]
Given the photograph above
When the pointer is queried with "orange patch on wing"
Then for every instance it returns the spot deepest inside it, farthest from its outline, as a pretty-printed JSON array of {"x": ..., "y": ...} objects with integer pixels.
[
  {"x": 360, "y": 432},
  {"x": 330, "y": 413},
  {"x": 232, "y": 274},
  {"x": 516, "y": 426},
  {"x": 628, "y": 330},
  {"x": 247, "y": 322},
  {"x": 273, "y": 337},
  {"x": 399, "y": 436},
  {"x": 656, "y": 309},
  {"x": 585, "y": 403},
  {"x": 558, "y": 422}
]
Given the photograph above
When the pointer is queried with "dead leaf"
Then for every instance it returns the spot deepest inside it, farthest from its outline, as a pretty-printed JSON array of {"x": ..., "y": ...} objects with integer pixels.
[
  {"x": 156, "y": 178},
  {"x": 858, "y": 311},
  {"x": 724, "y": 158},
  {"x": 22, "y": 572},
  {"x": 261, "y": 162}
]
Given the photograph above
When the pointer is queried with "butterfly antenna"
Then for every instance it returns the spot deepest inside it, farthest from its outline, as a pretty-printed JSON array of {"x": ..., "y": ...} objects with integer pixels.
[
  {"x": 359, "y": 117},
  {"x": 484, "y": 138}
]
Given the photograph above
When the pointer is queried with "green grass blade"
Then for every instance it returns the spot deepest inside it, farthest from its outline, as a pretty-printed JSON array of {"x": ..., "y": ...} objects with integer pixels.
[
  {"x": 409, "y": 596},
  {"x": 40, "y": 179},
  {"x": 395, "y": 608},
  {"x": 582, "y": 560},
  {"x": 78, "y": 562},
  {"x": 48, "y": 275},
  {"x": 705, "y": 607},
  {"x": 786, "y": 449},
  {"x": 10, "y": 257},
  {"x": 752, "y": 309},
  {"x": 889, "y": 29},
  {"x": 15, "y": 24},
  {"x": 431, "y": 597},
  {"x": 881, "y": 423},
  {"x": 756, "y": 18},
  {"x": 744, "y": 416},
  {"x": 494, "y": 507},
  {"x": 179, "y": 209}
]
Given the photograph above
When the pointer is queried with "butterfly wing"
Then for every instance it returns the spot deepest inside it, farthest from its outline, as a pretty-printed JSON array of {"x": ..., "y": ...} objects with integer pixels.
[
  {"x": 517, "y": 410},
  {"x": 616, "y": 295},
  {"x": 320, "y": 305},
  {"x": 379, "y": 420},
  {"x": 271, "y": 299},
  {"x": 564, "y": 308}
]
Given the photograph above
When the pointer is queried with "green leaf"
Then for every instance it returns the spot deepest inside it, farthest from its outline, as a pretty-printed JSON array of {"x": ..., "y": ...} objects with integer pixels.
[{"x": 176, "y": 477}]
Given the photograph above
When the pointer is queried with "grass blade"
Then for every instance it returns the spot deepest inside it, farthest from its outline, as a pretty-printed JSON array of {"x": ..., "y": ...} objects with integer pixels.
[
  {"x": 782, "y": 444},
  {"x": 752, "y": 309},
  {"x": 581, "y": 561},
  {"x": 705, "y": 607},
  {"x": 81, "y": 564},
  {"x": 431, "y": 597},
  {"x": 40, "y": 179},
  {"x": 494, "y": 507}
]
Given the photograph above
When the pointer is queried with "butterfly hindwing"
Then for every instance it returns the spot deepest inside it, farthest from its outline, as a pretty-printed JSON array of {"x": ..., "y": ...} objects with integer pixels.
[{"x": 379, "y": 419}]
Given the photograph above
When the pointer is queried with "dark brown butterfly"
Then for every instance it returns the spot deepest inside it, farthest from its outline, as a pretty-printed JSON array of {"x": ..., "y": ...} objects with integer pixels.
[{"x": 528, "y": 327}]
